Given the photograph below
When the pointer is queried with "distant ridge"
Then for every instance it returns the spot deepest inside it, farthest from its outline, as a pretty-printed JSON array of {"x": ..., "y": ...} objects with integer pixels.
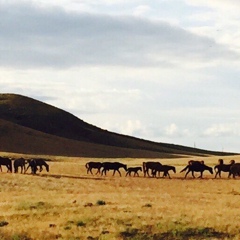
[{"x": 33, "y": 127}]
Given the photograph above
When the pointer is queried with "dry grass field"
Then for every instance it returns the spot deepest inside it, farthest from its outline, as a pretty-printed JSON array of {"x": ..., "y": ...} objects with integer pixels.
[{"x": 68, "y": 203}]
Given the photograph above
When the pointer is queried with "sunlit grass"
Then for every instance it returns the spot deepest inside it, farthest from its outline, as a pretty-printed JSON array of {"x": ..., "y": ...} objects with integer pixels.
[{"x": 66, "y": 203}]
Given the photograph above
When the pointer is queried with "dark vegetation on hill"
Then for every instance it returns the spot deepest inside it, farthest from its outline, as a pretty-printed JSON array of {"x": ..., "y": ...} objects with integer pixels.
[{"x": 31, "y": 126}]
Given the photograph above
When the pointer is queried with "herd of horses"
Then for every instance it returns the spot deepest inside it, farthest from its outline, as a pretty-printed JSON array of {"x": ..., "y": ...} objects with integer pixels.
[
  {"x": 34, "y": 164},
  {"x": 149, "y": 169},
  {"x": 153, "y": 169}
]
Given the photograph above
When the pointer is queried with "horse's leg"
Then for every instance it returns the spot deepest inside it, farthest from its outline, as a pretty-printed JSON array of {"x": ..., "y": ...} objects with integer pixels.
[
  {"x": 35, "y": 169},
  {"x": 127, "y": 173},
  {"x": 90, "y": 169},
  {"x": 220, "y": 174},
  {"x": 187, "y": 173},
  {"x": 201, "y": 174},
  {"x": 27, "y": 168},
  {"x": 119, "y": 172},
  {"x": 147, "y": 172}
]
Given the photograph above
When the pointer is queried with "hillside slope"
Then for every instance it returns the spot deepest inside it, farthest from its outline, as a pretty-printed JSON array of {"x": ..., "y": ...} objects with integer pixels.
[
  {"x": 19, "y": 139},
  {"x": 50, "y": 130}
]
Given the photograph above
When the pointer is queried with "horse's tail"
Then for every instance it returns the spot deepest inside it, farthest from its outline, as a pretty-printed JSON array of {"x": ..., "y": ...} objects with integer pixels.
[
  {"x": 87, "y": 165},
  {"x": 184, "y": 169},
  {"x": 215, "y": 168}
]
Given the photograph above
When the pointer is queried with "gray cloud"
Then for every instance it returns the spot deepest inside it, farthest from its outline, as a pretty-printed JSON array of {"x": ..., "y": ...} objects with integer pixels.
[{"x": 51, "y": 37}]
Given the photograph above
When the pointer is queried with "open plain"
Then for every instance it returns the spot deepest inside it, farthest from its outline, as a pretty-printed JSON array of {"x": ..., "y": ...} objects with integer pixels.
[{"x": 68, "y": 203}]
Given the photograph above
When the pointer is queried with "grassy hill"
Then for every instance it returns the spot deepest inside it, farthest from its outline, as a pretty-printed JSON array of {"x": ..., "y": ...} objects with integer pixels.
[{"x": 33, "y": 127}]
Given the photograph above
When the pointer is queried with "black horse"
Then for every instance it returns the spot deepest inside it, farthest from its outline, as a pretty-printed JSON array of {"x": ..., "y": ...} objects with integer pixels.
[
  {"x": 19, "y": 162},
  {"x": 221, "y": 167},
  {"x": 35, "y": 163},
  {"x": 165, "y": 169},
  {"x": 150, "y": 165},
  {"x": 93, "y": 165},
  {"x": 6, "y": 162},
  {"x": 113, "y": 166},
  {"x": 196, "y": 166},
  {"x": 235, "y": 170},
  {"x": 134, "y": 170}
]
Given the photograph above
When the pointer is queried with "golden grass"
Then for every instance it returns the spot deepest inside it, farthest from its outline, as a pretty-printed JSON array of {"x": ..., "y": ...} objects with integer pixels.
[{"x": 66, "y": 203}]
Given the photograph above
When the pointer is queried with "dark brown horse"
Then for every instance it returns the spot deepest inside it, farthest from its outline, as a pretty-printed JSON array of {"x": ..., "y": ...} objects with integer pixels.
[
  {"x": 235, "y": 169},
  {"x": 165, "y": 169},
  {"x": 35, "y": 163},
  {"x": 93, "y": 165},
  {"x": 115, "y": 166},
  {"x": 134, "y": 170},
  {"x": 221, "y": 167},
  {"x": 19, "y": 162},
  {"x": 196, "y": 166},
  {"x": 150, "y": 165},
  {"x": 5, "y": 161}
]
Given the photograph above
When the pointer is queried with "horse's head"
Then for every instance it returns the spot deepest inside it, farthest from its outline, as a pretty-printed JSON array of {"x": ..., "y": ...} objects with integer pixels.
[
  {"x": 210, "y": 170},
  {"x": 47, "y": 167},
  {"x": 174, "y": 169},
  {"x": 125, "y": 167},
  {"x": 232, "y": 162},
  {"x": 220, "y": 161}
]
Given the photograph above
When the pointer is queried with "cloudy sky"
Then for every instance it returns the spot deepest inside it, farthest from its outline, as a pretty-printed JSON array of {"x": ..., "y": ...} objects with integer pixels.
[{"x": 161, "y": 70}]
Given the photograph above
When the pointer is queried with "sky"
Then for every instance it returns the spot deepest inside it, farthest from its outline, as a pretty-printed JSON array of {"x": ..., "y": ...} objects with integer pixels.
[{"x": 161, "y": 70}]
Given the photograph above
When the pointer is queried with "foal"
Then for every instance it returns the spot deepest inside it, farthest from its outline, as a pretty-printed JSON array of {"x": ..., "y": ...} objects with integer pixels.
[{"x": 133, "y": 169}]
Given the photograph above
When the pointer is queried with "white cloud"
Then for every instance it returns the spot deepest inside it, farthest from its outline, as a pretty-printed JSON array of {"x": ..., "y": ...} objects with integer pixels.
[
  {"x": 132, "y": 127},
  {"x": 141, "y": 10},
  {"x": 220, "y": 20},
  {"x": 225, "y": 129},
  {"x": 172, "y": 130},
  {"x": 34, "y": 37}
]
